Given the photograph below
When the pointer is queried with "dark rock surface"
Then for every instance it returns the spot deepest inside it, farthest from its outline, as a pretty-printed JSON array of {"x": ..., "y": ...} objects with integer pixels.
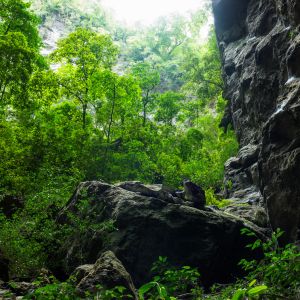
[
  {"x": 259, "y": 42},
  {"x": 253, "y": 213},
  {"x": 241, "y": 177},
  {"x": 4, "y": 268},
  {"x": 108, "y": 272},
  {"x": 151, "y": 190},
  {"x": 141, "y": 228}
]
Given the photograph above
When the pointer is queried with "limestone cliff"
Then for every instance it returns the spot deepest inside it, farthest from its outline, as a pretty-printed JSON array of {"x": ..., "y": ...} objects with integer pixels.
[{"x": 259, "y": 42}]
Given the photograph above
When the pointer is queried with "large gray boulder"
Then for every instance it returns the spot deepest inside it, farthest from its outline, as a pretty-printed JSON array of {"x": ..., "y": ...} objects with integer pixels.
[
  {"x": 259, "y": 42},
  {"x": 139, "y": 229}
]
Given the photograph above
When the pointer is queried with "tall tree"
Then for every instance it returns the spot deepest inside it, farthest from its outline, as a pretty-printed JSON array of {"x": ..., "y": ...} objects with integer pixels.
[
  {"x": 15, "y": 16},
  {"x": 167, "y": 35},
  {"x": 168, "y": 107},
  {"x": 148, "y": 78},
  {"x": 19, "y": 50},
  {"x": 202, "y": 68},
  {"x": 82, "y": 55}
]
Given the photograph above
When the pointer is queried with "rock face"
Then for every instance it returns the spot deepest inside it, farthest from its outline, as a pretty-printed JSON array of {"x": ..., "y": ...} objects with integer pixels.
[
  {"x": 139, "y": 229},
  {"x": 108, "y": 272},
  {"x": 259, "y": 42},
  {"x": 253, "y": 213}
]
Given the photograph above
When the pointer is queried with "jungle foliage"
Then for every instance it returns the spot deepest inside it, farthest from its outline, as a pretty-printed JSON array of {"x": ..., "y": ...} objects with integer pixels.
[
  {"x": 108, "y": 103},
  {"x": 115, "y": 104}
]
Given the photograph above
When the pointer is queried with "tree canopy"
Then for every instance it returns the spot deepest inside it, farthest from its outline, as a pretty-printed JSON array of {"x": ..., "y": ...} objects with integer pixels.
[{"x": 108, "y": 103}]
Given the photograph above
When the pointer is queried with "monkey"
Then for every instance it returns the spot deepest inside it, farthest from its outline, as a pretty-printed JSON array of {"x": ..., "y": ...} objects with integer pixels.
[{"x": 194, "y": 194}]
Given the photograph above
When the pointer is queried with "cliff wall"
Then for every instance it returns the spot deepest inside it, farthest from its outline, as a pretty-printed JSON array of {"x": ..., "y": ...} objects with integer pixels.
[{"x": 259, "y": 42}]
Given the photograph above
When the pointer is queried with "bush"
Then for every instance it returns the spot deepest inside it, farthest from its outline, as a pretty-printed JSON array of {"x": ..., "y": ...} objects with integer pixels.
[
  {"x": 276, "y": 276},
  {"x": 212, "y": 200},
  {"x": 279, "y": 269},
  {"x": 171, "y": 282}
]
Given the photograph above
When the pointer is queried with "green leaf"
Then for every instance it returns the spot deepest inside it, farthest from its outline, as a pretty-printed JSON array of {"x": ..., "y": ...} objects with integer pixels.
[
  {"x": 146, "y": 288},
  {"x": 257, "y": 290},
  {"x": 252, "y": 283},
  {"x": 239, "y": 294},
  {"x": 162, "y": 291}
]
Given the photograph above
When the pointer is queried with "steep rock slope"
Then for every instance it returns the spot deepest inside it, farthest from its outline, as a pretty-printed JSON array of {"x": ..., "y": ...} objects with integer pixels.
[{"x": 259, "y": 42}]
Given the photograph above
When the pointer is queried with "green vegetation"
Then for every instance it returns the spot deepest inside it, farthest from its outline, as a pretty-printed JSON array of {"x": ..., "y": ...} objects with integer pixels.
[
  {"x": 157, "y": 122},
  {"x": 73, "y": 14},
  {"x": 169, "y": 282},
  {"x": 113, "y": 104},
  {"x": 275, "y": 276},
  {"x": 117, "y": 105}
]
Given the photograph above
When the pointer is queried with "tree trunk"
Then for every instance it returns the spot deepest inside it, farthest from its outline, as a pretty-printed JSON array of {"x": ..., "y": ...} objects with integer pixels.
[
  {"x": 84, "y": 108},
  {"x": 111, "y": 116},
  {"x": 145, "y": 102},
  {"x": 144, "y": 114}
]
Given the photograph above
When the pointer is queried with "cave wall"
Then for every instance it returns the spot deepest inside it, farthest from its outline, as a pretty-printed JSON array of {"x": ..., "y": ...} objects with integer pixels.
[{"x": 259, "y": 42}]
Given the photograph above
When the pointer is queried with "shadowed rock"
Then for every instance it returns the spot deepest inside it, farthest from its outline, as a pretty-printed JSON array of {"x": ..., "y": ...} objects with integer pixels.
[
  {"x": 145, "y": 228},
  {"x": 108, "y": 272}
]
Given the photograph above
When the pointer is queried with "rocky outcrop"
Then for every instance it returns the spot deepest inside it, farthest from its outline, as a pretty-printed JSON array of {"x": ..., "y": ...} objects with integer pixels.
[
  {"x": 253, "y": 213},
  {"x": 108, "y": 272},
  {"x": 18, "y": 289},
  {"x": 139, "y": 228},
  {"x": 259, "y": 42},
  {"x": 241, "y": 177}
]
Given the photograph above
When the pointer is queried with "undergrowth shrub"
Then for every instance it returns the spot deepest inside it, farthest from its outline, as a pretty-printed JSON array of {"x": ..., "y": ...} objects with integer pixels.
[
  {"x": 211, "y": 199},
  {"x": 170, "y": 282},
  {"x": 275, "y": 276}
]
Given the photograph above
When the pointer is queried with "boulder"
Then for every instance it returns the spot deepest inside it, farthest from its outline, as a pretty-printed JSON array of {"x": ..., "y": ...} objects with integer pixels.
[
  {"x": 80, "y": 272},
  {"x": 139, "y": 229},
  {"x": 108, "y": 272},
  {"x": 259, "y": 42},
  {"x": 152, "y": 190}
]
